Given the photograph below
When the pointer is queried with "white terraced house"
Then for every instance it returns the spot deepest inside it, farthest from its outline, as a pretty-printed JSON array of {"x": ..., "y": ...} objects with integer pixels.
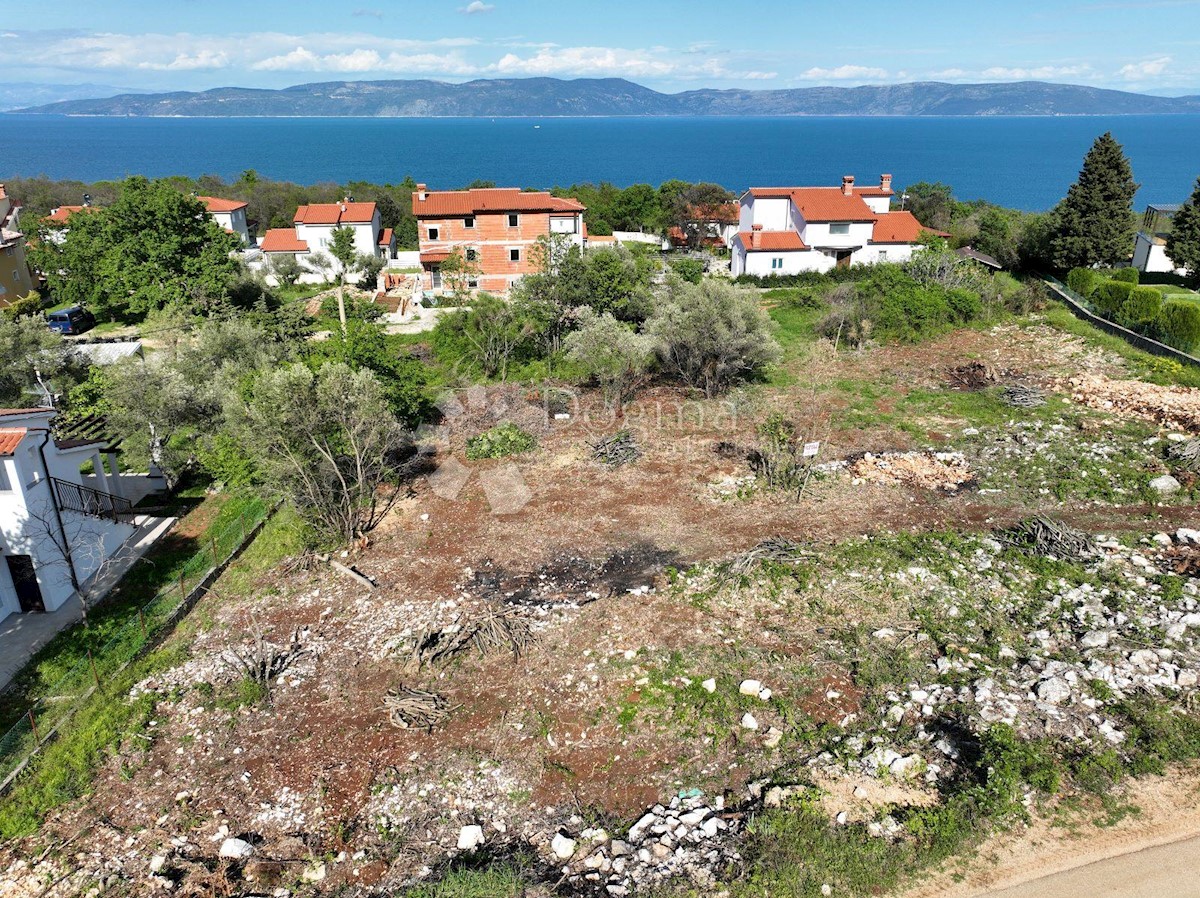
[
  {"x": 229, "y": 214},
  {"x": 313, "y": 226},
  {"x": 59, "y": 526},
  {"x": 787, "y": 230}
]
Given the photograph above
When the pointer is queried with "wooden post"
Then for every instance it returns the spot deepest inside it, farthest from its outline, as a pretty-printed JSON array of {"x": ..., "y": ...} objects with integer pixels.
[
  {"x": 33, "y": 726},
  {"x": 92, "y": 662},
  {"x": 242, "y": 518},
  {"x": 142, "y": 619},
  {"x": 182, "y": 591},
  {"x": 213, "y": 542}
]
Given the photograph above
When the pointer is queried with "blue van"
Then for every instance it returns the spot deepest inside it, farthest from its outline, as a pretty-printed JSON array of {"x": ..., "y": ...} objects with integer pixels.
[{"x": 75, "y": 320}]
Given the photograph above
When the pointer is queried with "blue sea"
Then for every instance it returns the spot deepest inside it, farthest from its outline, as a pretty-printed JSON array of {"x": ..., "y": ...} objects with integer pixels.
[{"x": 1024, "y": 162}]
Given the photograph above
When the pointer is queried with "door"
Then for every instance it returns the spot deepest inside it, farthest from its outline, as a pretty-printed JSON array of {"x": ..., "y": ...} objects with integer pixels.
[
  {"x": 435, "y": 274},
  {"x": 843, "y": 258},
  {"x": 29, "y": 594}
]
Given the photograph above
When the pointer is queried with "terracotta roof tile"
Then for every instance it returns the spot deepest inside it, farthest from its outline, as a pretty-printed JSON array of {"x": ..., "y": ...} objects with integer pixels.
[
  {"x": 282, "y": 240},
  {"x": 772, "y": 242},
  {"x": 899, "y": 227},
  {"x": 21, "y": 412},
  {"x": 435, "y": 256},
  {"x": 216, "y": 204},
  {"x": 820, "y": 204},
  {"x": 10, "y": 439},
  {"x": 385, "y": 237},
  {"x": 62, "y": 213},
  {"x": 447, "y": 203},
  {"x": 335, "y": 213}
]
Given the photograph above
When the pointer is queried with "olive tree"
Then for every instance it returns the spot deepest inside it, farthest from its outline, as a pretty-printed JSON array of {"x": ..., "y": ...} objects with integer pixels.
[{"x": 612, "y": 353}]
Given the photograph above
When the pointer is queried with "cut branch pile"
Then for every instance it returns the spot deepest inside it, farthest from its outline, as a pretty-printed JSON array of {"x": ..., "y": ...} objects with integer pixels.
[
  {"x": 415, "y": 708},
  {"x": 1186, "y": 453},
  {"x": 973, "y": 376},
  {"x": 777, "y": 550},
  {"x": 1024, "y": 396},
  {"x": 263, "y": 660},
  {"x": 1041, "y": 535},
  {"x": 616, "y": 450},
  {"x": 495, "y": 630}
]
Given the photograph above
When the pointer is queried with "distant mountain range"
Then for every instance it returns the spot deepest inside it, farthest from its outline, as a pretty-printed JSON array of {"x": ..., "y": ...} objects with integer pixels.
[
  {"x": 15, "y": 95},
  {"x": 615, "y": 96}
]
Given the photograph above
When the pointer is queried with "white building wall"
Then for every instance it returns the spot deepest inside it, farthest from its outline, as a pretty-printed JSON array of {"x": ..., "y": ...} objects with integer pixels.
[
  {"x": 1149, "y": 256},
  {"x": 760, "y": 263},
  {"x": 878, "y": 204},
  {"x": 234, "y": 221}
]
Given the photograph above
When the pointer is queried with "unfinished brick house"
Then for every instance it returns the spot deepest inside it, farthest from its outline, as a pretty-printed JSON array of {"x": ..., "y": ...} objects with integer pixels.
[{"x": 495, "y": 230}]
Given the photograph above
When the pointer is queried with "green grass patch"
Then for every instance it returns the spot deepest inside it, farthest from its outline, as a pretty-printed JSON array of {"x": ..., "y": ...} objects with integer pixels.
[{"x": 501, "y": 441}]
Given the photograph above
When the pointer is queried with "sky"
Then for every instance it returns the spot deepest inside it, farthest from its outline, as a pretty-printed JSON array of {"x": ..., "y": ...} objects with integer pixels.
[{"x": 671, "y": 45}]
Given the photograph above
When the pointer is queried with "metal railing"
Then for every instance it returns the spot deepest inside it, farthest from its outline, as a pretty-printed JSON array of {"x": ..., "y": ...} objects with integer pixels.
[{"x": 85, "y": 500}]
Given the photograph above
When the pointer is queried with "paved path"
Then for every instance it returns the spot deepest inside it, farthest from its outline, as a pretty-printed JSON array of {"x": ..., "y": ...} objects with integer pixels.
[{"x": 1166, "y": 871}]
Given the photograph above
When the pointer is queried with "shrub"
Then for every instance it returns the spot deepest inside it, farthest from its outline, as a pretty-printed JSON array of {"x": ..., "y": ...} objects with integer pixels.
[
  {"x": 691, "y": 270},
  {"x": 1178, "y": 324},
  {"x": 24, "y": 306},
  {"x": 1126, "y": 275},
  {"x": 503, "y": 439},
  {"x": 1084, "y": 281},
  {"x": 1110, "y": 296},
  {"x": 610, "y": 352},
  {"x": 1141, "y": 309},
  {"x": 712, "y": 335}
]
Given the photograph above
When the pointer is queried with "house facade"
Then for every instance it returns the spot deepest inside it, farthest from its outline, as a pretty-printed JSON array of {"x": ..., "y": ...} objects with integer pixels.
[
  {"x": 229, "y": 214},
  {"x": 787, "y": 230},
  {"x": 15, "y": 279},
  {"x": 57, "y": 526},
  {"x": 313, "y": 226},
  {"x": 1150, "y": 245},
  {"x": 494, "y": 230}
]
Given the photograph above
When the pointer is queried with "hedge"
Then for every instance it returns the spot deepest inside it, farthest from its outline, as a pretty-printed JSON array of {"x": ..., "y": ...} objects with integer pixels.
[
  {"x": 1126, "y": 275},
  {"x": 1084, "y": 281},
  {"x": 1178, "y": 324},
  {"x": 1140, "y": 309},
  {"x": 1111, "y": 295}
]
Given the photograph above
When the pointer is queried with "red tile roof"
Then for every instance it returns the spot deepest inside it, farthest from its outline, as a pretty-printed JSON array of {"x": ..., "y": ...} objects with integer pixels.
[
  {"x": 335, "y": 213},
  {"x": 21, "y": 412},
  {"x": 725, "y": 213},
  {"x": 874, "y": 191},
  {"x": 10, "y": 439},
  {"x": 449, "y": 203},
  {"x": 435, "y": 256},
  {"x": 772, "y": 241},
  {"x": 820, "y": 204},
  {"x": 282, "y": 240},
  {"x": 216, "y": 204},
  {"x": 385, "y": 237},
  {"x": 900, "y": 227},
  {"x": 62, "y": 213}
]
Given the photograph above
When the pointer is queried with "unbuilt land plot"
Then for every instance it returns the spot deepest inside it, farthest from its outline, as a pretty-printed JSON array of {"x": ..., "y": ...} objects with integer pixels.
[{"x": 629, "y": 687}]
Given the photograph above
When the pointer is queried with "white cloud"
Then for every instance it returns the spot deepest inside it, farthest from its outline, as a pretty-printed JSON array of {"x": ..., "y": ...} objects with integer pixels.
[
  {"x": 363, "y": 60},
  {"x": 844, "y": 73},
  {"x": 1040, "y": 73},
  {"x": 477, "y": 6},
  {"x": 949, "y": 73},
  {"x": 1150, "y": 68},
  {"x": 587, "y": 61},
  {"x": 759, "y": 76}
]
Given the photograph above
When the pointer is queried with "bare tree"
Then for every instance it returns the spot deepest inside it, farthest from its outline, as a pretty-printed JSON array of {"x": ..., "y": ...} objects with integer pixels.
[{"x": 73, "y": 546}]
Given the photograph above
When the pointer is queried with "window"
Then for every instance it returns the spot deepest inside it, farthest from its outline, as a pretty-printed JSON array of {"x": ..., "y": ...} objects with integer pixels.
[
  {"x": 434, "y": 233},
  {"x": 472, "y": 255},
  {"x": 840, "y": 227},
  {"x": 469, "y": 221},
  {"x": 883, "y": 255},
  {"x": 514, "y": 220},
  {"x": 472, "y": 282},
  {"x": 5, "y": 483},
  {"x": 514, "y": 255},
  {"x": 777, "y": 263}
]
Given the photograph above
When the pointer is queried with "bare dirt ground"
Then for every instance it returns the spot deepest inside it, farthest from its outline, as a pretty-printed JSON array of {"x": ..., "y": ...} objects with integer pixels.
[
  {"x": 586, "y": 551},
  {"x": 1153, "y": 851}
]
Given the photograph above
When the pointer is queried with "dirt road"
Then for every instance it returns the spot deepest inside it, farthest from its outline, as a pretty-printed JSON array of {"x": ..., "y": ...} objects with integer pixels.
[{"x": 1167, "y": 871}]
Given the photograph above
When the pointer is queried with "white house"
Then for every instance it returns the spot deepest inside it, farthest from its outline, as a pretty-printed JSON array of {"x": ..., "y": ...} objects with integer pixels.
[
  {"x": 787, "y": 230},
  {"x": 313, "y": 226},
  {"x": 229, "y": 214},
  {"x": 1150, "y": 245},
  {"x": 58, "y": 526}
]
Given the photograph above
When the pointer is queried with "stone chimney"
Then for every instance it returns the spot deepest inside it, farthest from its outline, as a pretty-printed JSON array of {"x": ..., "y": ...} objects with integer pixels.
[
  {"x": 848, "y": 185},
  {"x": 422, "y": 192},
  {"x": 756, "y": 236},
  {"x": 885, "y": 182}
]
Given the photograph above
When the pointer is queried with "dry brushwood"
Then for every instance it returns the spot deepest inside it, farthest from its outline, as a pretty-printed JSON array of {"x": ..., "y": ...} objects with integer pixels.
[
  {"x": 263, "y": 660},
  {"x": 1024, "y": 396},
  {"x": 495, "y": 630},
  {"x": 415, "y": 708},
  {"x": 973, "y": 376},
  {"x": 1044, "y": 536},
  {"x": 1186, "y": 453},
  {"x": 616, "y": 450},
  {"x": 777, "y": 550}
]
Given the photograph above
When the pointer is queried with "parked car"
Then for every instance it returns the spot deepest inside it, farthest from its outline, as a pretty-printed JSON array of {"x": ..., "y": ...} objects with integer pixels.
[{"x": 74, "y": 320}]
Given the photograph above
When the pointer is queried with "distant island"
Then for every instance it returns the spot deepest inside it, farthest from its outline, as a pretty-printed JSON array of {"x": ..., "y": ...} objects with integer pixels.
[{"x": 615, "y": 96}]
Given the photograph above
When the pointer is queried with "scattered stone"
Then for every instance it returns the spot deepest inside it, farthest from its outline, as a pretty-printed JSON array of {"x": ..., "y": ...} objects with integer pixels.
[
  {"x": 1165, "y": 485},
  {"x": 158, "y": 862},
  {"x": 470, "y": 838},
  {"x": 1094, "y": 639},
  {"x": 563, "y": 847},
  {"x": 750, "y": 687},
  {"x": 1054, "y": 690},
  {"x": 237, "y": 849},
  {"x": 749, "y": 722}
]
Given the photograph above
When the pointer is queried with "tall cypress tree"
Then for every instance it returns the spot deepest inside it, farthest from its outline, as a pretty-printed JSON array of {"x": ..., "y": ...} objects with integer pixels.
[
  {"x": 1094, "y": 224},
  {"x": 1183, "y": 243}
]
